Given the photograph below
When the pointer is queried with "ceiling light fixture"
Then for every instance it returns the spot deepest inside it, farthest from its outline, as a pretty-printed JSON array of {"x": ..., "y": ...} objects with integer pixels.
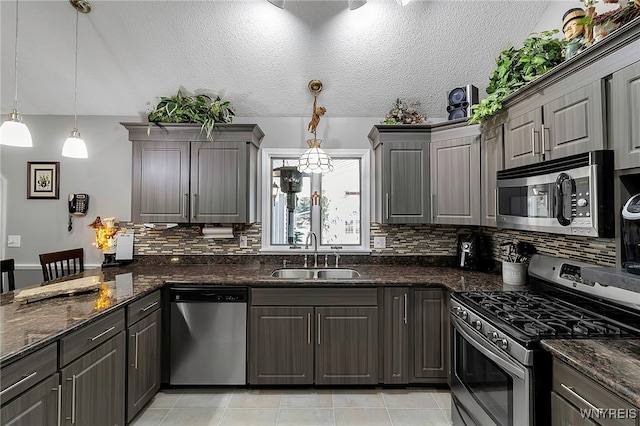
[
  {"x": 13, "y": 131},
  {"x": 354, "y": 4},
  {"x": 314, "y": 159},
  {"x": 279, "y": 3},
  {"x": 403, "y": 2},
  {"x": 74, "y": 146}
]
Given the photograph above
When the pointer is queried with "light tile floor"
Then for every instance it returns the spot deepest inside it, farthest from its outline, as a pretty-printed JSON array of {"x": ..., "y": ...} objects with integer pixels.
[{"x": 298, "y": 407}]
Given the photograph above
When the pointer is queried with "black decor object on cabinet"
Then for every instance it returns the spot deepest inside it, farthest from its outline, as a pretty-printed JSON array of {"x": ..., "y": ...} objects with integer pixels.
[{"x": 460, "y": 100}]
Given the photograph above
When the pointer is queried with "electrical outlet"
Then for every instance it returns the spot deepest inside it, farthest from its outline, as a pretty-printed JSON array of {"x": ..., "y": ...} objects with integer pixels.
[
  {"x": 243, "y": 241},
  {"x": 13, "y": 241},
  {"x": 379, "y": 242}
]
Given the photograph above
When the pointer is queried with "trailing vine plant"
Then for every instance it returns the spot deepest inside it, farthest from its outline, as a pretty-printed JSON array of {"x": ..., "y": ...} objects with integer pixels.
[
  {"x": 516, "y": 68},
  {"x": 200, "y": 108}
]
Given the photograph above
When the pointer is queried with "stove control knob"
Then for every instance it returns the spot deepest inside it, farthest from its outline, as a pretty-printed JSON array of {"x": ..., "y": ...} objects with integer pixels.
[
  {"x": 503, "y": 343},
  {"x": 493, "y": 336},
  {"x": 582, "y": 202},
  {"x": 464, "y": 315},
  {"x": 477, "y": 324},
  {"x": 457, "y": 310}
]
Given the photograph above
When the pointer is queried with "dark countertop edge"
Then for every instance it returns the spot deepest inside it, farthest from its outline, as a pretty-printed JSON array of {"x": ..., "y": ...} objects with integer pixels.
[{"x": 607, "y": 381}]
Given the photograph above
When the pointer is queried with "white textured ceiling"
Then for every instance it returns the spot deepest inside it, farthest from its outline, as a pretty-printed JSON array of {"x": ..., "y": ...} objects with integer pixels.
[{"x": 255, "y": 55}]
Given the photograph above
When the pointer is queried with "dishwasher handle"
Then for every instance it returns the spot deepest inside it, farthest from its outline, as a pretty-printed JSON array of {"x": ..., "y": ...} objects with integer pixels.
[{"x": 206, "y": 294}]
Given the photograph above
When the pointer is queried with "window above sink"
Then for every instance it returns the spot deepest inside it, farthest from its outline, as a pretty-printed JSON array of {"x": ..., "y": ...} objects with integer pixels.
[{"x": 334, "y": 206}]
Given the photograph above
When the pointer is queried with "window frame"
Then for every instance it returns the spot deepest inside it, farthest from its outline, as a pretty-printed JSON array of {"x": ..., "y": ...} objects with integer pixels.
[{"x": 364, "y": 155}]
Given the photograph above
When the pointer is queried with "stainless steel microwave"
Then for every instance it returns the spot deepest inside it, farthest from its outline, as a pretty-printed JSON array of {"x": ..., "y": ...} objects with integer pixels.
[{"x": 571, "y": 195}]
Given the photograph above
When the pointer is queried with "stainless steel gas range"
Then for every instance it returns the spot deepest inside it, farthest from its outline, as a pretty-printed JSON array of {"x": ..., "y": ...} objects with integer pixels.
[{"x": 500, "y": 374}]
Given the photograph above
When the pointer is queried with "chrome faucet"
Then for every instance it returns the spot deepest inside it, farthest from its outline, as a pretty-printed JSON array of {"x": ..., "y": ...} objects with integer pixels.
[{"x": 315, "y": 247}]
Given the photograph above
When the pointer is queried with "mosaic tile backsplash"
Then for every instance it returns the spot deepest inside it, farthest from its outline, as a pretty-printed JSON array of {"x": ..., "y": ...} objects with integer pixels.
[{"x": 401, "y": 240}]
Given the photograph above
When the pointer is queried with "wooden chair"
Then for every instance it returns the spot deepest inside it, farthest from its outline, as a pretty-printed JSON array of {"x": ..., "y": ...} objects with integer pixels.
[
  {"x": 61, "y": 263},
  {"x": 8, "y": 266}
]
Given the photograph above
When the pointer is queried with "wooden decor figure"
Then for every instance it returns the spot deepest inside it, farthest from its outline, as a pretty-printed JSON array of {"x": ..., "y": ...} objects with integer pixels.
[{"x": 573, "y": 31}]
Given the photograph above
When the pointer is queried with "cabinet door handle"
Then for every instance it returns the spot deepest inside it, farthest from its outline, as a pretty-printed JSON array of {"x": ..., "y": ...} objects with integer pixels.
[
  {"x": 135, "y": 362},
  {"x": 544, "y": 140},
  {"x": 533, "y": 142},
  {"x": 59, "y": 390},
  {"x": 577, "y": 395},
  {"x": 73, "y": 399},
  {"x": 405, "y": 308},
  {"x": 434, "y": 205},
  {"x": 19, "y": 382},
  {"x": 185, "y": 203},
  {"x": 318, "y": 330},
  {"x": 387, "y": 205},
  {"x": 194, "y": 206},
  {"x": 102, "y": 334},
  {"x": 146, "y": 308},
  {"x": 308, "y": 328}
]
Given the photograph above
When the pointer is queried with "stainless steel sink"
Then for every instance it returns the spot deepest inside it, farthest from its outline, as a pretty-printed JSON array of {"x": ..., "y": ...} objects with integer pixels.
[
  {"x": 337, "y": 273},
  {"x": 316, "y": 273},
  {"x": 293, "y": 273}
]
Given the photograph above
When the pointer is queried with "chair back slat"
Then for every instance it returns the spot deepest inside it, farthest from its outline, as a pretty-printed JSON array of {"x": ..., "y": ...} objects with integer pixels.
[
  {"x": 8, "y": 266},
  {"x": 62, "y": 263}
]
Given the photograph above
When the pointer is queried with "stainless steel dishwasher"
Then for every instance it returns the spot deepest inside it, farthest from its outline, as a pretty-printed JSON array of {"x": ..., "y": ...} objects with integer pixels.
[{"x": 208, "y": 335}]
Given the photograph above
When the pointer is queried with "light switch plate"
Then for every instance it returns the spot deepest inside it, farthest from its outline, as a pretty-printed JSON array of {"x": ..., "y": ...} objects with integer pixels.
[
  {"x": 379, "y": 242},
  {"x": 13, "y": 241},
  {"x": 243, "y": 241}
]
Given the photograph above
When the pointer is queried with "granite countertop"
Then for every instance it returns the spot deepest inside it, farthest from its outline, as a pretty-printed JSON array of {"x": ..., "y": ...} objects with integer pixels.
[
  {"x": 615, "y": 364},
  {"x": 25, "y": 328}
]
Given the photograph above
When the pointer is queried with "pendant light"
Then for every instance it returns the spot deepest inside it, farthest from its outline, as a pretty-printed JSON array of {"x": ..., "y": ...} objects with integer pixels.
[
  {"x": 74, "y": 146},
  {"x": 403, "y": 2},
  {"x": 315, "y": 159},
  {"x": 13, "y": 131}
]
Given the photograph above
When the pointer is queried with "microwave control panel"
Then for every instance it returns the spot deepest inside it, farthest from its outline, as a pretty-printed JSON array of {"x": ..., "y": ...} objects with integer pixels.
[{"x": 582, "y": 204}]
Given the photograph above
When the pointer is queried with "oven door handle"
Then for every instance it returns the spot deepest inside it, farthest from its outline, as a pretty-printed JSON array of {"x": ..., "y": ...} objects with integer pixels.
[{"x": 511, "y": 367}]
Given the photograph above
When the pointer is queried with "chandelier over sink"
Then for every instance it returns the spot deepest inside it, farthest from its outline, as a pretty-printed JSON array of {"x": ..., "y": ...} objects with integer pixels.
[{"x": 315, "y": 159}]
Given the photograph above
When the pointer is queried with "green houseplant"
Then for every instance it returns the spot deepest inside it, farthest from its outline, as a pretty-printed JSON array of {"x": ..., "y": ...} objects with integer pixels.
[
  {"x": 200, "y": 108},
  {"x": 517, "y": 67}
]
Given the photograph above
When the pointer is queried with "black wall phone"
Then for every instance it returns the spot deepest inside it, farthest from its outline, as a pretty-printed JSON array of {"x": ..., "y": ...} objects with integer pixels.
[{"x": 78, "y": 206}]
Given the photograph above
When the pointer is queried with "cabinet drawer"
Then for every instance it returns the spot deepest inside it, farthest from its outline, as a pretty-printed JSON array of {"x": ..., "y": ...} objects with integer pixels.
[
  {"x": 586, "y": 394},
  {"x": 296, "y": 296},
  {"x": 90, "y": 336},
  {"x": 143, "y": 307},
  {"x": 26, "y": 372}
]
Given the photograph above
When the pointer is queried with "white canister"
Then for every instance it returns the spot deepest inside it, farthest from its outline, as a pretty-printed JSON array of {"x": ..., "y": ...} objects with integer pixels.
[{"x": 514, "y": 273}]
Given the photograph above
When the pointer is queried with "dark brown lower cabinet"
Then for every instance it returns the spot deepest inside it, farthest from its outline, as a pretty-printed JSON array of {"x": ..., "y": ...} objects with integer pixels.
[
  {"x": 305, "y": 345},
  {"x": 347, "y": 345},
  {"x": 143, "y": 358},
  {"x": 431, "y": 336},
  {"x": 281, "y": 345},
  {"x": 93, "y": 386},
  {"x": 37, "y": 406},
  {"x": 396, "y": 335},
  {"x": 565, "y": 414}
]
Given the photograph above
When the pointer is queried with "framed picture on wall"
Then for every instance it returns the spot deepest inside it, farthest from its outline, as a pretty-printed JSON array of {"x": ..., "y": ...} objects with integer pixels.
[{"x": 43, "y": 179}]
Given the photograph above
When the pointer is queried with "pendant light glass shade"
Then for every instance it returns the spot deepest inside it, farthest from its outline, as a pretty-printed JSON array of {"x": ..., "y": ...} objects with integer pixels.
[
  {"x": 279, "y": 3},
  {"x": 315, "y": 160},
  {"x": 74, "y": 146},
  {"x": 14, "y": 132},
  {"x": 354, "y": 4}
]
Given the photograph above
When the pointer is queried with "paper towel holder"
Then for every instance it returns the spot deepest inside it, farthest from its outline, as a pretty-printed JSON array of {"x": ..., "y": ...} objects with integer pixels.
[{"x": 235, "y": 228}]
